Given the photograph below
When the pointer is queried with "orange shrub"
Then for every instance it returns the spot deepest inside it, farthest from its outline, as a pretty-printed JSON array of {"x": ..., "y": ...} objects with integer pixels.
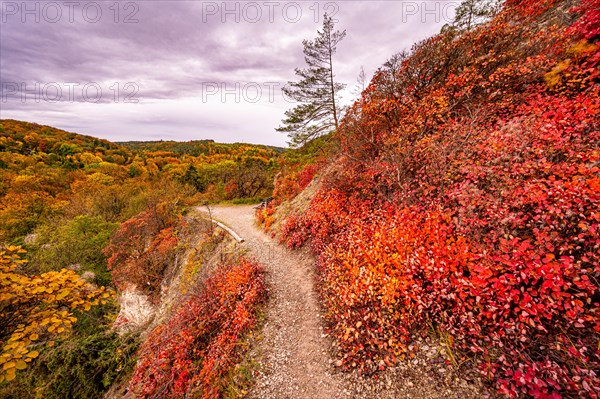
[{"x": 142, "y": 249}]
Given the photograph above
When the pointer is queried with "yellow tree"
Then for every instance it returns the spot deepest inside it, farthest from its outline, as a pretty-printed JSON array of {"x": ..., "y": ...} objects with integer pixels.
[{"x": 35, "y": 309}]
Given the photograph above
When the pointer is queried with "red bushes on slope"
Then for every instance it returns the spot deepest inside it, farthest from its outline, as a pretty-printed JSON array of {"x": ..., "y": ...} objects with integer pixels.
[
  {"x": 530, "y": 8},
  {"x": 320, "y": 222},
  {"x": 288, "y": 184},
  {"x": 472, "y": 204},
  {"x": 191, "y": 354},
  {"x": 392, "y": 272}
]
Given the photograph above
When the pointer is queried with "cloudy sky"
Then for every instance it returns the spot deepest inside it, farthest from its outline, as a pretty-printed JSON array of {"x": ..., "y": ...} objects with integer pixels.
[{"x": 185, "y": 70}]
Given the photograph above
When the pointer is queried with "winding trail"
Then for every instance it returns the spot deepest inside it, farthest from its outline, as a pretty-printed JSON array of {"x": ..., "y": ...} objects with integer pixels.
[{"x": 294, "y": 350}]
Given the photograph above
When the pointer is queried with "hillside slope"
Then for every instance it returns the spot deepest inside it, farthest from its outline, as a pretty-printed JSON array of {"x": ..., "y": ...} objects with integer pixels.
[
  {"x": 464, "y": 200},
  {"x": 294, "y": 351}
]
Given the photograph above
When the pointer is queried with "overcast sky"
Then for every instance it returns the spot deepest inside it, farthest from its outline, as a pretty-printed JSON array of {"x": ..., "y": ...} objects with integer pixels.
[{"x": 185, "y": 70}]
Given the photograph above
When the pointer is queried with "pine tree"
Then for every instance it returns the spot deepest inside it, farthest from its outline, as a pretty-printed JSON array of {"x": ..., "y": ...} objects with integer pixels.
[
  {"x": 471, "y": 13},
  {"x": 317, "y": 113},
  {"x": 192, "y": 177}
]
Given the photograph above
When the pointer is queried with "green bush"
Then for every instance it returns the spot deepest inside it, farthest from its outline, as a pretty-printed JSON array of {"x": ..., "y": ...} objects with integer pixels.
[
  {"x": 76, "y": 241},
  {"x": 79, "y": 367}
]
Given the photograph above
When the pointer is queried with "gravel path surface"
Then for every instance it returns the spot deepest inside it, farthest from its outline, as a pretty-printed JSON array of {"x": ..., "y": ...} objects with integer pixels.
[{"x": 294, "y": 348}]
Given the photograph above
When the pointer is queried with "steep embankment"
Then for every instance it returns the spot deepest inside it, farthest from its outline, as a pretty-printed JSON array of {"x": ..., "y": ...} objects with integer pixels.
[{"x": 198, "y": 310}]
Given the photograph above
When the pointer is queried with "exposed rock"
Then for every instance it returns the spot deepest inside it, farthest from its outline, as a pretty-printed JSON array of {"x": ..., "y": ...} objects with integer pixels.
[{"x": 136, "y": 311}]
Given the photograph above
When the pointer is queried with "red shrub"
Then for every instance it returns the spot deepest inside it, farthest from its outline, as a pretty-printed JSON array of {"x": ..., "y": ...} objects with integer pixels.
[
  {"x": 588, "y": 26},
  {"x": 141, "y": 250},
  {"x": 327, "y": 215},
  {"x": 386, "y": 275},
  {"x": 230, "y": 189},
  {"x": 306, "y": 176},
  {"x": 291, "y": 183},
  {"x": 530, "y": 8},
  {"x": 192, "y": 353},
  {"x": 286, "y": 186}
]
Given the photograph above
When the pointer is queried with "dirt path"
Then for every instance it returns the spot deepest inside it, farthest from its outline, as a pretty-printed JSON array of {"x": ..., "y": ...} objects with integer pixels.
[{"x": 293, "y": 351}]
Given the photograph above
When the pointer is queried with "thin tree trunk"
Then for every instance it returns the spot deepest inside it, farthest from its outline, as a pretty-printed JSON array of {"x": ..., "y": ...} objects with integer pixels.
[{"x": 335, "y": 118}]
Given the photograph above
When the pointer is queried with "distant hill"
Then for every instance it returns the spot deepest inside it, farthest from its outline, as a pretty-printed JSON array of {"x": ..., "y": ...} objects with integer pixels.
[
  {"x": 26, "y": 137},
  {"x": 199, "y": 147}
]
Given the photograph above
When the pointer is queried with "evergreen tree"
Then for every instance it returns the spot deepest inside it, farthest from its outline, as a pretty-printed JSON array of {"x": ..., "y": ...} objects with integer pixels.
[
  {"x": 192, "y": 177},
  {"x": 471, "y": 13},
  {"x": 316, "y": 91}
]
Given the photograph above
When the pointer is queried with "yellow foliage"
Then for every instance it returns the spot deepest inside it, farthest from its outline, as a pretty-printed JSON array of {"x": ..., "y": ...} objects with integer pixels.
[
  {"x": 88, "y": 158},
  {"x": 555, "y": 77},
  {"x": 35, "y": 308},
  {"x": 101, "y": 178},
  {"x": 560, "y": 74},
  {"x": 583, "y": 48}
]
